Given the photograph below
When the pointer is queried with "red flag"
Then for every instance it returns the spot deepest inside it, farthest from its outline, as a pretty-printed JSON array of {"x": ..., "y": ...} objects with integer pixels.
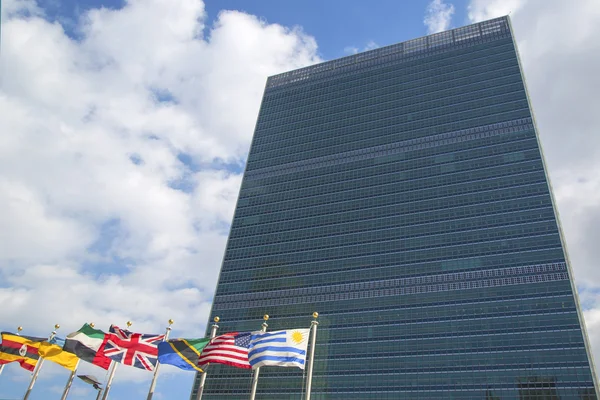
[
  {"x": 230, "y": 349},
  {"x": 138, "y": 350}
]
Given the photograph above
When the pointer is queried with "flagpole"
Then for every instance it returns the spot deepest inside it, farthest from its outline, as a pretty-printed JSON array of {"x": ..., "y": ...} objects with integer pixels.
[
  {"x": 38, "y": 366},
  {"x": 257, "y": 370},
  {"x": 113, "y": 368},
  {"x": 111, "y": 375},
  {"x": 313, "y": 343},
  {"x": 153, "y": 384},
  {"x": 213, "y": 333},
  {"x": 70, "y": 382},
  {"x": 72, "y": 377}
]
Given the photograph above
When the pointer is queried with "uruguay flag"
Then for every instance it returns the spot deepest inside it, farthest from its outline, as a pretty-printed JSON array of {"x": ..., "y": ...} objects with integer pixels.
[{"x": 279, "y": 348}]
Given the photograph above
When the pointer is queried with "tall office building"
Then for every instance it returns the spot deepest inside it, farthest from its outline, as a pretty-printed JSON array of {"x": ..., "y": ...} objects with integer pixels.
[{"x": 402, "y": 194}]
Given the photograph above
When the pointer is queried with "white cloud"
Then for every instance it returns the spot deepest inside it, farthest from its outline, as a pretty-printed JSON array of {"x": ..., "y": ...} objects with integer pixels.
[
  {"x": 350, "y": 50},
  {"x": 438, "y": 16},
  {"x": 561, "y": 56},
  {"x": 94, "y": 226},
  {"x": 481, "y": 10},
  {"x": 371, "y": 45},
  {"x": 12, "y": 8}
]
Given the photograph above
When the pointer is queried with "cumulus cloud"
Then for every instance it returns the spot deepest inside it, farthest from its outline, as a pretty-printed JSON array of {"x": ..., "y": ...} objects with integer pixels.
[
  {"x": 353, "y": 49},
  {"x": 561, "y": 54},
  {"x": 120, "y": 158},
  {"x": 438, "y": 16},
  {"x": 481, "y": 10}
]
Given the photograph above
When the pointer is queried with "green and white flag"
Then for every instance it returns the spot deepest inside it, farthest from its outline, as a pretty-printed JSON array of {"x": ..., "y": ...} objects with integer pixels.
[{"x": 86, "y": 344}]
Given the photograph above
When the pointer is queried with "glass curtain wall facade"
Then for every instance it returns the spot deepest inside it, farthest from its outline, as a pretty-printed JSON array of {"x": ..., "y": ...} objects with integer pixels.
[{"x": 402, "y": 194}]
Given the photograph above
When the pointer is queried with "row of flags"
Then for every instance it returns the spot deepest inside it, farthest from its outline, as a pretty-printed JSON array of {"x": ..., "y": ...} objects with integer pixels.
[
  {"x": 254, "y": 349},
  {"x": 248, "y": 350}
]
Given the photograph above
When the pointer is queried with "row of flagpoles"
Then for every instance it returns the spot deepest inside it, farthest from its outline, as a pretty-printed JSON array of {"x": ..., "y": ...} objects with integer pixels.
[{"x": 239, "y": 349}]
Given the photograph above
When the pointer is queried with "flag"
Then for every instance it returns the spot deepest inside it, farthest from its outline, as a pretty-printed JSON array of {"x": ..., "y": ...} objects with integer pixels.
[
  {"x": 138, "y": 350},
  {"x": 86, "y": 344},
  {"x": 52, "y": 350},
  {"x": 230, "y": 349},
  {"x": 21, "y": 349},
  {"x": 280, "y": 348},
  {"x": 182, "y": 353}
]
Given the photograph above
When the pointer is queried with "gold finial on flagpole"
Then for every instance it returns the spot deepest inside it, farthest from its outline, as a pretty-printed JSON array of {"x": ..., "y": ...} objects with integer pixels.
[
  {"x": 213, "y": 333},
  {"x": 129, "y": 323},
  {"x": 56, "y": 326},
  {"x": 92, "y": 324},
  {"x": 19, "y": 328},
  {"x": 156, "y": 368},
  {"x": 257, "y": 370},
  {"x": 313, "y": 327}
]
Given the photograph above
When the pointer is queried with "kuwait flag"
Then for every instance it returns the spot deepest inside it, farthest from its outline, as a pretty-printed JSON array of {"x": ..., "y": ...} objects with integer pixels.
[{"x": 85, "y": 344}]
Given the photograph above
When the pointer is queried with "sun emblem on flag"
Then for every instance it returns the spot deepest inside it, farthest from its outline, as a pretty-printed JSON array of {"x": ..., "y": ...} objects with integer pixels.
[{"x": 297, "y": 337}]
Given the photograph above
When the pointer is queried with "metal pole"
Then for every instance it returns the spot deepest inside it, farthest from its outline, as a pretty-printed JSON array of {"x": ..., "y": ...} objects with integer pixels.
[
  {"x": 313, "y": 344},
  {"x": 99, "y": 393},
  {"x": 110, "y": 379},
  {"x": 36, "y": 371},
  {"x": 69, "y": 382},
  {"x": 153, "y": 384},
  {"x": 257, "y": 370},
  {"x": 73, "y": 374},
  {"x": 112, "y": 373},
  {"x": 213, "y": 333},
  {"x": 38, "y": 366}
]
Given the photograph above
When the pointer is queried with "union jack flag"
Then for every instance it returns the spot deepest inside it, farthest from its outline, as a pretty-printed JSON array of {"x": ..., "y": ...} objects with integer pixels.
[{"x": 138, "y": 350}]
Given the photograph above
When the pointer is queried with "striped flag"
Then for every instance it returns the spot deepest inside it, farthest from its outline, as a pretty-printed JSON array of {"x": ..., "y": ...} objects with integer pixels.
[
  {"x": 21, "y": 349},
  {"x": 86, "y": 344},
  {"x": 279, "y": 348},
  {"x": 229, "y": 349}
]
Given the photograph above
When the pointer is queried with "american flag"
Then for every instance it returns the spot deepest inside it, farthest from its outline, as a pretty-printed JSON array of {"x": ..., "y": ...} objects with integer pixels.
[
  {"x": 138, "y": 350},
  {"x": 230, "y": 349}
]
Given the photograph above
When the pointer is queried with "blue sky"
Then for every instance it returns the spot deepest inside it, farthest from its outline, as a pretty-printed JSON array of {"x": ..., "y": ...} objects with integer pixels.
[
  {"x": 125, "y": 129},
  {"x": 336, "y": 24}
]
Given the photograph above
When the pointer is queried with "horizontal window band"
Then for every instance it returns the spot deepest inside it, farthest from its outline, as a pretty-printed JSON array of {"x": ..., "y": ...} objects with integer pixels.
[
  {"x": 393, "y": 171},
  {"x": 392, "y": 291},
  {"x": 395, "y": 283},
  {"x": 498, "y": 29},
  {"x": 418, "y": 109},
  {"x": 430, "y": 140}
]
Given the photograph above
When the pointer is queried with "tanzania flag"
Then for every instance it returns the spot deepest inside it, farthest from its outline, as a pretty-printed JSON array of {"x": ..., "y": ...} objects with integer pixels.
[
  {"x": 52, "y": 350},
  {"x": 22, "y": 349},
  {"x": 182, "y": 353},
  {"x": 85, "y": 344}
]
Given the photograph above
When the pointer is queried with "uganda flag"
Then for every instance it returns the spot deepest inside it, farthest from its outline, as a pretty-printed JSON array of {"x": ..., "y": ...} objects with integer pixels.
[{"x": 22, "y": 349}]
